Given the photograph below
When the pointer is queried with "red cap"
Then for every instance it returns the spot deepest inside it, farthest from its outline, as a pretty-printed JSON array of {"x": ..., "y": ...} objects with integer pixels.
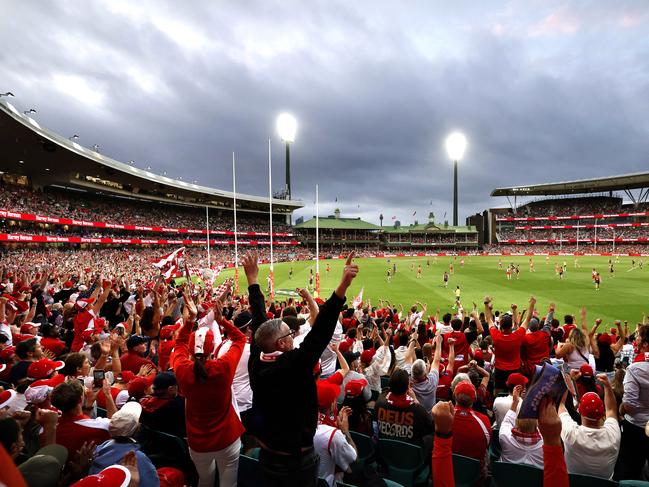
[
  {"x": 344, "y": 346},
  {"x": 586, "y": 370},
  {"x": 127, "y": 376},
  {"x": 327, "y": 393},
  {"x": 478, "y": 354},
  {"x": 270, "y": 315},
  {"x": 88, "y": 333},
  {"x": 354, "y": 388},
  {"x": 202, "y": 341},
  {"x": 517, "y": 379},
  {"x": 83, "y": 303},
  {"x": 7, "y": 397},
  {"x": 465, "y": 387},
  {"x": 43, "y": 368},
  {"x": 138, "y": 386},
  {"x": 8, "y": 353},
  {"x": 367, "y": 356},
  {"x": 113, "y": 476},
  {"x": 27, "y": 327},
  {"x": 101, "y": 397},
  {"x": 591, "y": 406},
  {"x": 167, "y": 332}
]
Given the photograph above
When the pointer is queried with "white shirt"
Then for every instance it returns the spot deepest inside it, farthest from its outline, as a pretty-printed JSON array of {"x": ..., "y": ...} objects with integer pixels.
[
  {"x": 515, "y": 451},
  {"x": 328, "y": 357},
  {"x": 379, "y": 366},
  {"x": 636, "y": 393},
  {"x": 334, "y": 450},
  {"x": 500, "y": 408},
  {"x": 590, "y": 451},
  {"x": 241, "y": 382},
  {"x": 5, "y": 329},
  {"x": 400, "y": 356}
]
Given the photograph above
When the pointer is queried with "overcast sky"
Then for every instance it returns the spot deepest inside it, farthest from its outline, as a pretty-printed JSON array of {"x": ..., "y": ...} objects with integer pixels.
[{"x": 543, "y": 90}]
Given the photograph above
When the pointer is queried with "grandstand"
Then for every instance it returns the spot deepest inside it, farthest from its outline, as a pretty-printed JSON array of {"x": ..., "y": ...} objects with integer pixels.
[
  {"x": 56, "y": 191},
  {"x": 338, "y": 235},
  {"x": 585, "y": 216}
]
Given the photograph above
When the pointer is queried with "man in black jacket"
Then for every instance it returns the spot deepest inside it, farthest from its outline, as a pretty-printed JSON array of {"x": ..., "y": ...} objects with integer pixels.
[{"x": 285, "y": 402}]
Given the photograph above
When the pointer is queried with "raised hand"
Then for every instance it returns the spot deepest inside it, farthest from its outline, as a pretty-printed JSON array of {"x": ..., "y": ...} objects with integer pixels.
[
  {"x": 350, "y": 271},
  {"x": 443, "y": 413},
  {"x": 250, "y": 267}
]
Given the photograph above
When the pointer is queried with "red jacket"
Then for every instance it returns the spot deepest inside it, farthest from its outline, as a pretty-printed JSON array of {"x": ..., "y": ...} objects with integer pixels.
[{"x": 211, "y": 421}]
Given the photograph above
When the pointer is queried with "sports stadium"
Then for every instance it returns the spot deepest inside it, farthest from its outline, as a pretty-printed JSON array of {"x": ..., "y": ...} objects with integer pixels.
[{"x": 156, "y": 331}]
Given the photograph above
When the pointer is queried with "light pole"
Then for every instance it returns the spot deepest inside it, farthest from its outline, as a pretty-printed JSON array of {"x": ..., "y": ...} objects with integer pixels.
[
  {"x": 286, "y": 127},
  {"x": 455, "y": 147}
]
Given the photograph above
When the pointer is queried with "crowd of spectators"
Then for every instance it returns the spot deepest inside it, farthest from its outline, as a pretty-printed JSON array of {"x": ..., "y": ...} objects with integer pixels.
[
  {"x": 567, "y": 207},
  {"x": 101, "y": 368},
  {"x": 59, "y": 203}
]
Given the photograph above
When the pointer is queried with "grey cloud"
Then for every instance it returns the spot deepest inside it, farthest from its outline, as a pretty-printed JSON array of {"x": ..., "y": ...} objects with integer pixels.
[{"x": 375, "y": 89}]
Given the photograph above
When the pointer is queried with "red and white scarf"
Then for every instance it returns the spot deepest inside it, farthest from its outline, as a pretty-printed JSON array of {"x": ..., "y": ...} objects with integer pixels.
[
  {"x": 526, "y": 438},
  {"x": 270, "y": 357},
  {"x": 399, "y": 401}
]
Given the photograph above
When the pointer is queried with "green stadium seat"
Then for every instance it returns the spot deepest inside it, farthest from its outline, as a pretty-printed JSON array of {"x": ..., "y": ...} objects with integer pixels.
[
  {"x": 495, "y": 450},
  {"x": 167, "y": 450},
  {"x": 579, "y": 480},
  {"x": 515, "y": 475},
  {"x": 385, "y": 382},
  {"x": 365, "y": 447},
  {"x": 465, "y": 470},
  {"x": 390, "y": 483},
  {"x": 405, "y": 462},
  {"x": 249, "y": 474},
  {"x": 633, "y": 483},
  {"x": 101, "y": 412}
]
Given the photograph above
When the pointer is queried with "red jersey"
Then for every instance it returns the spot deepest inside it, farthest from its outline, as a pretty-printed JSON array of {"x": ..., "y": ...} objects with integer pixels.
[
  {"x": 462, "y": 347},
  {"x": 133, "y": 362},
  {"x": 164, "y": 352},
  {"x": 536, "y": 347},
  {"x": 81, "y": 322},
  {"x": 471, "y": 433},
  {"x": 73, "y": 431},
  {"x": 507, "y": 348},
  {"x": 567, "y": 329},
  {"x": 57, "y": 347}
]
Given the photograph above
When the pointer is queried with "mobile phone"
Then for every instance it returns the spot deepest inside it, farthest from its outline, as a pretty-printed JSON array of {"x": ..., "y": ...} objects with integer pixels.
[{"x": 98, "y": 378}]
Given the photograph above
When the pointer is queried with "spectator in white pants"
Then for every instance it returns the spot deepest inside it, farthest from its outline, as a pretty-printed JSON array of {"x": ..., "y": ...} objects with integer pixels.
[{"x": 213, "y": 426}]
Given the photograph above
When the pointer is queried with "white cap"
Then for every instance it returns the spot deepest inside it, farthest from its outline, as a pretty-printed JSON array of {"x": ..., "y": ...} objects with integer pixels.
[{"x": 125, "y": 421}]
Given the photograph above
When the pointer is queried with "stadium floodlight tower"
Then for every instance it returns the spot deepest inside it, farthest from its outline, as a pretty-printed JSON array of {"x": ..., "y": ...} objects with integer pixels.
[
  {"x": 455, "y": 147},
  {"x": 287, "y": 127}
]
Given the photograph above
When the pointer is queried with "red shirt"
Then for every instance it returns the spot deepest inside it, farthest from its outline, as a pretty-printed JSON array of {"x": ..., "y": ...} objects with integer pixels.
[
  {"x": 462, "y": 347},
  {"x": 81, "y": 322},
  {"x": 73, "y": 431},
  {"x": 133, "y": 362},
  {"x": 469, "y": 437},
  {"x": 57, "y": 347},
  {"x": 211, "y": 421},
  {"x": 566, "y": 331},
  {"x": 536, "y": 347},
  {"x": 444, "y": 386},
  {"x": 507, "y": 348},
  {"x": 164, "y": 352}
]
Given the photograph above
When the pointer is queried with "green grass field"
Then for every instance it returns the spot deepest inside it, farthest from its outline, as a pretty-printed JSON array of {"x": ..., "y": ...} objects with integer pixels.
[{"x": 624, "y": 296}]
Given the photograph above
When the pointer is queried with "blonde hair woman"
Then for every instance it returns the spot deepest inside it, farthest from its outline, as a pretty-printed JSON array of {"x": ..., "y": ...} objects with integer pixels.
[{"x": 576, "y": 350}]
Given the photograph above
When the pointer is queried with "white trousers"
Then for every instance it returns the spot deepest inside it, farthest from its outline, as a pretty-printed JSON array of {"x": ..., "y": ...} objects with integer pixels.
[{"x": 226, "y": 461}]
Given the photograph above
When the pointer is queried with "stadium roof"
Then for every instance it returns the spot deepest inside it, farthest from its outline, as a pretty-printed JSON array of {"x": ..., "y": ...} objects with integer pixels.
[
  {"x": 28, "y": 149},
  {"x": 430, "y": 228},
  {"x": 580, "y": 186},
  {"x": 331, "y": 222}
]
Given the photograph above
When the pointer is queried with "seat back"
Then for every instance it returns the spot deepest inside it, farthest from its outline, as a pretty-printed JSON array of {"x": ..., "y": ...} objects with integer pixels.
[
  {"x": 633, "y": 483},
  {"x": 250, "y": 472},
  {"x": 465, "y": 470},
  {"x": 402, "y": 460},
  {"x": 580, "y": 480},
  {"x": 385, "y": 382},
  {"x": 364, "y": 446},
  {"x": 514, "y": 475}
]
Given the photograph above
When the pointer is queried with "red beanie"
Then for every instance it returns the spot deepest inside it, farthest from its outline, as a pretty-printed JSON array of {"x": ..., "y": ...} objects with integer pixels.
[
  {"x": 327, "y": 393},
  {"x": 517, "y": 379},
  {"x": 467, "y": 388}
]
